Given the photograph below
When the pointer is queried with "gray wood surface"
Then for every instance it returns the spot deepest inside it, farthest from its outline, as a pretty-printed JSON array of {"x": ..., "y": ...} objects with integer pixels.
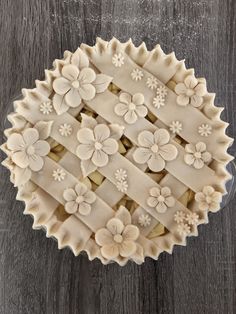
[{"x": 35, "y": 277}]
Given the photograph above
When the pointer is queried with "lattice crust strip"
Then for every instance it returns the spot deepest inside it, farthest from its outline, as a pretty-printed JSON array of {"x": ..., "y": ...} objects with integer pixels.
[{"x": 119, "y": 152}]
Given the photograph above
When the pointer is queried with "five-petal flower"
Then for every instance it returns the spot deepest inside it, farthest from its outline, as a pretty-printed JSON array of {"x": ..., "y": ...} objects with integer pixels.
[
  {"x": 155, "y": 149},
  {"x": 196, "y": 155},
  {"x": 208, "y": 199},
  {"x": 160, "y": 199}
]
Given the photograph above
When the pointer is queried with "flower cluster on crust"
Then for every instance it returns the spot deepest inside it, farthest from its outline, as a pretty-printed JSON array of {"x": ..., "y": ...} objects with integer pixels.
[
  {"x": 154, "y": 149},
  {"x": 208, "y": 199},
  {"x": 79, "y": 200},
  {"x": 77, "y": 82},
  {"x": 121, "y": 180},
  {"x": 190, "y": 92},
  {"x": 118, "y": 239},
  {"x": 196, "y": 155},
  {"x": 185, "y": 221},
  {"x": 160, "y": 199},
  {"x": 131, "y": 108}
]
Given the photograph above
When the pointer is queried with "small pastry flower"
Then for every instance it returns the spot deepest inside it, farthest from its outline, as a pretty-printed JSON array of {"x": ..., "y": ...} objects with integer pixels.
[
  {"x": 144, "y": 220},
  {"x": 155, "y": 149},
  {"x": 79, "y": 200},
  {"x": 118, "y": 60},
  {"x": 190, "y": 92},
  {"x": 161, "y": 91},
  {"x": 65, "y": 129},
  {"x": 137, "y": 75},
  {"x": 161, "y": 199},
  {"x": 117, "y": 239},
  {"x": 122, "y": 186},
  {"x": 208, "y": 199},
  {"x": 46, "y": 107},
  {"x": 152, "y": 82},
  {"x": 96, "y": 145},
  {"x": 204, "y": 130},
  {"x": 59, "y": 174},
  {"x": 183, "y": 229},
  {"x": 176, "y": 127},
  {"x": 179, "y": 216},
  {"x": 120, "y": 174},
  {"x": 73, "y": 86},
  {"x": 192, "y": 218},
  {"x": 27, "y": 149},
  {"x": 196, "y": 155},
  {"x": 131, "y": 107},
  {"x": 158, "y": 101}
]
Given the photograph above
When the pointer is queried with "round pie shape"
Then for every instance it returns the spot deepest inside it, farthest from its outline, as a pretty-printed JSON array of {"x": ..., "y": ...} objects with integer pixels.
[{"x": 119, "y": 152}]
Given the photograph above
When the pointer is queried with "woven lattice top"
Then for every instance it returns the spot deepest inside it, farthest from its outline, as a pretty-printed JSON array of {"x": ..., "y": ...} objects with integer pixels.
[{"x": 119, "y": 152}]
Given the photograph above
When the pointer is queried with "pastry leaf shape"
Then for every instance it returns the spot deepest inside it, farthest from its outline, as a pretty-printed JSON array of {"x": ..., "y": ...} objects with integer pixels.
[
  {"x": 87, "y": 167},
  {"x": 101, "y": 82},
  {"x": 44, "y": 128}
]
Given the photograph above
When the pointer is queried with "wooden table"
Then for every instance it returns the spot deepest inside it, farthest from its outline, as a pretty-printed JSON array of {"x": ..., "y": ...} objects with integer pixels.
[{"x": 35, "y": 277}]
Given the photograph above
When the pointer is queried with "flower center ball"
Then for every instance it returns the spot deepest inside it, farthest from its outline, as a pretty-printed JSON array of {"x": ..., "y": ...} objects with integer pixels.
[
  {"x": 132, "y": 106},
  {"x": 161, "y": 199},
  {"x": 118, "y": 238},
  {"x": 98, "y": 145},
  {"x": 190, "y": 92},
  {"x": 154, "y": 148},
  {"x": 75, "y": 84},
  {"x": 79, "y": 199},
  {"x": 197, "y": 155},
  {"x": 30, "y": 150}
]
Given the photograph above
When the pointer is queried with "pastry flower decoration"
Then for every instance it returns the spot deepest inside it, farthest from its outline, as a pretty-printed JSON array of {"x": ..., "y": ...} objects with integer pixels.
[
  {"x": 28, "y": 149},
  {"x": 160, "y": 199},
  {"x": 79, "y": 200},
  {"x": 77, "y": 82},
  {"x": 155, "y": 149},
  {"x": 208, "y": 199},
  {"x": 190, "y": 92},
  {"x": 118, "y": 238},
  {"x": 131, "y": 107},
  {"x": 196, "y": 155},
  {"x": 96, "y": 143}
]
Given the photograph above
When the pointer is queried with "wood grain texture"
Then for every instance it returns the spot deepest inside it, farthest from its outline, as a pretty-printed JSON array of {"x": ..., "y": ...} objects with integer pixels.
[{"x": 35, "y": 277}]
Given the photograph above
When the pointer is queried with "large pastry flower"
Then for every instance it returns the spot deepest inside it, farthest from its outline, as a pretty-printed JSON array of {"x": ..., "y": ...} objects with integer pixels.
[
  {"x": 118, "y": 238},
  {"x": 160, "y": 199},
  {"x": 155, "y": 149},
  {"x": 96, "y": 145},
  {"x": 190, "y": 92},
  {"x": 196, "y": 155},
  {"x": 131, "y": 108},
  {"x": 209, "y": 199},
  {"x": 27, "y": 149},
  {"x": 74, "y": 85},
  {"x": 79, "y": 200}
]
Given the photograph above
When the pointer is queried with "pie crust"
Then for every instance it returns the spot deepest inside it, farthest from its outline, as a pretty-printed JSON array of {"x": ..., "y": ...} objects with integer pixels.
[{"x": 119, "y": 152}]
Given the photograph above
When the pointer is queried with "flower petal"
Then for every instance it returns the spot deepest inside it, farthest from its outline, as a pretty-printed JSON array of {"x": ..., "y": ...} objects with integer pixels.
[
  {"x": 161, "y": 137},
  {"x": 115, "y": 226},
  {"x": 59, "y": 104},
  {"x": 42, "y": 148},
  {"x": 20, "y": 159},
  {"x": 198, "y": 163},
  {"x": 71, "y": 207},
  {"x": 15, "y": 142},
  {"x": 30, "y": 136},
  {"x": 89, "y": 197},
  {"x": 206, "y": 157},
  {"x": 130, "y": 233},
  {"x": 168, "y": 152},
  {"x": 196, "y": 100},
  {"x": 110, "y": 251},
  {"x": 200, "y": 197},
  {"x": 141, "y": 155},
  {"x": 121, "y": 109},
  {"x": 152, "y": 201},
  {"x": 200, "y": 147},
  {"x": 190, "y": 148},
  {"x": 161, "y": 207},
  {"x": 70, "y": 72},
  {"x": 103, "y": 237},
  {"x": 190, "y": 81},
  {"x": 200, "y": 89},
  {"x": 170, "y": 201},
  {"x": 180, "y": 88},
  {"x": 165, "y": 191},
  {"x": 72, "y": 98},
  {"x": 127, "y": 248},
  {"x": 217, "y": 197},
  {"x": 81, "y": 189},
  {"x": 87, "y": 91},
  {"x": 35, "y": 162},
  {"x": 61, "y": 85},
  {"x": 189, "y": 159},
  {"x": 155, "y": 191},
  {"x": 87, "y": 75},
  {"x": 141, "y": 111},
  {"x": 110, "y": 146},
  {"x": 214, "y": 207},
  {"x": 208, "y": 190},
  {"x": 125, "y": 98},
  {"x": 69, "y": 195},
  {"x": 84, "y": 151},
  {"x": 138, "y": 99},
  {"x": 203, "y": 206},
  {"x": 101, "y": 132},
  {"x": 130, "y": 117},
  {"x": 182, "y": 100},
  {"x": 146, "y": 139},
  {"x": 156, "y": 163},
  {"x": 84, "y": 209},
  {"x": 85, "y": 136},
  {"x": 100, "y": 159}
]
